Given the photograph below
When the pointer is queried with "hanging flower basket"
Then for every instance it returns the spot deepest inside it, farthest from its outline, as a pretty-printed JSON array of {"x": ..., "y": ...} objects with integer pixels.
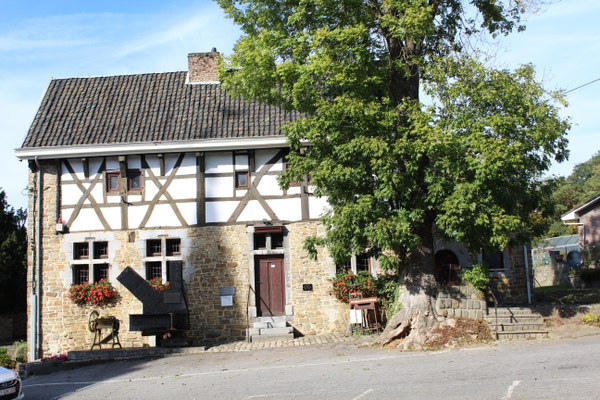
[{"x": 97, "y": 294}]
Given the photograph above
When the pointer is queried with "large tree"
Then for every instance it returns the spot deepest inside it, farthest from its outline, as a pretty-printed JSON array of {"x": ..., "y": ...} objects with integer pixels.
[
  {"x": 465, "y": 162},
  {"x": 13, "y": 257}
]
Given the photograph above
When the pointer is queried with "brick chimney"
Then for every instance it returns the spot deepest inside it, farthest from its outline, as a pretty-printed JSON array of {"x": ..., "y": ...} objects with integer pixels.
[{"x": 202, "y": 67}]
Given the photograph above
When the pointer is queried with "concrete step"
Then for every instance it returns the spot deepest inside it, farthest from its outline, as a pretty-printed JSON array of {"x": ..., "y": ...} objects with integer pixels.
[
  {"x": 521, "y": 319},
  {"x": 511, "y": 311},
  {"x": 271, "y": 338},
  {"x": 271, "y": 324},
  {"x": 516, "y": 327},
  {"x": 271, "y": 331},
  {"x": 522, "y": 335}
]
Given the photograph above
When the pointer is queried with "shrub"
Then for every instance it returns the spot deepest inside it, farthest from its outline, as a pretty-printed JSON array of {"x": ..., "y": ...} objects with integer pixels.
[
  {"x": 6, "y": 360},
  {"x": 387, "y": 288},
  {"x": 477, "y": 276},
  {"x": 20, "y": 351},
  {"x": 346, "y": 281},
  {"x": 98, "y": 294}
]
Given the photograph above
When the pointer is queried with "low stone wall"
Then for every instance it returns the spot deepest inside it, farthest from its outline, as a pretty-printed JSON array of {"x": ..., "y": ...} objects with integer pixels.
[{"x": 460, "y": 301}]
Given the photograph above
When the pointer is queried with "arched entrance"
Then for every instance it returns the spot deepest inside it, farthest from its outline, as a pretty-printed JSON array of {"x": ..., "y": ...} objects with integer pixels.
[{"x": 447, "y": 267}]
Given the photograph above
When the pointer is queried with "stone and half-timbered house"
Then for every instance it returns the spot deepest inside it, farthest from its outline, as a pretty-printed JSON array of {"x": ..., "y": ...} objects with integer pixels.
[{"x": 155, "y": 170}]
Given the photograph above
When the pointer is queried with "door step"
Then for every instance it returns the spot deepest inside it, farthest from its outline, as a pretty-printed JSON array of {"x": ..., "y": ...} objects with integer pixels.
[
  {"x": 270, "y": 329},
  {"x": 516, "y": 323}
]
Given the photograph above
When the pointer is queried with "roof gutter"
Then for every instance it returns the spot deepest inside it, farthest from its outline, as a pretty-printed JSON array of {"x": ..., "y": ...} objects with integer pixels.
[{"x": 114, "y": 149}]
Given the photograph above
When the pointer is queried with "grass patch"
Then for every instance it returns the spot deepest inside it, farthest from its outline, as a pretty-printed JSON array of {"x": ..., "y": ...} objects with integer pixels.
[
  {"x": 591, "y": 319},
  {"x": 566, "y": 295}
]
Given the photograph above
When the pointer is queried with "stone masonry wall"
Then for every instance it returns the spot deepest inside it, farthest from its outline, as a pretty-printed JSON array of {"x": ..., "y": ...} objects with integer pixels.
[
  {"x": 511, "y": 287},
  {"x": 218, "y": 258},
  {"x": 315, "y": 311},
  {"x": 460, "y": 302}
]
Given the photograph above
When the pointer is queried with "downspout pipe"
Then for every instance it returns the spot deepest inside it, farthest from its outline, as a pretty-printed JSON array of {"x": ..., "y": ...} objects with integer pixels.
[
  {"x": 38, "y": 287},
  {"x": 527, "y": 277}
]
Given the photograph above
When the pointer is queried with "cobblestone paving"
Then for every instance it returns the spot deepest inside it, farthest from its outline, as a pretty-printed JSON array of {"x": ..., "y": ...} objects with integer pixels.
[{"x": 301, "y": 341}]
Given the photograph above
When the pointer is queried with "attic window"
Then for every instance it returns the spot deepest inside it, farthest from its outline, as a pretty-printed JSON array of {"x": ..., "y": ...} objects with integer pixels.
[
  {"x": 241, "y": 179},
  {"x": 113, "y": 182},
  {"x": 134, "y": 182}
]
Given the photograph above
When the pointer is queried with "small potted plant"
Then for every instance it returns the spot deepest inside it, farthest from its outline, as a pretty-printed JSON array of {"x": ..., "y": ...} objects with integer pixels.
[{"x": 61, "y": 226}]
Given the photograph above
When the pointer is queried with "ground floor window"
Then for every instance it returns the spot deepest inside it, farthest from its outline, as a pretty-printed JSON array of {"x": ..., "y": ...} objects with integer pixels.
[
  {"x": 89, "y": 262},
  {"x": 160, "y": 255}
]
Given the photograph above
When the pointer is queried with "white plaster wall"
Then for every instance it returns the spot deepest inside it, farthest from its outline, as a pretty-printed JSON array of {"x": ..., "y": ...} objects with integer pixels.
[
  {"x": 220, "y": 211},
  {"x": 136, "y": 215},
  {"x": 113, "y": 198},
  {"x": 163, "y": 215},
  {"x": 154, "y": 165},
  {"x": 253, "y": 212},
  {"x": 218, "y": 162},
  {"x": 188, "y": 212},
  {"x": 261, "y": 157},
  {"x": 112, "y": 163},
  {"x": 134, "y": 162},
  {"x": 317, "y": 206},
  {"x": 70, "y": 194},
  {"x": 94, "y": 165},
  {"x": 87, "y": 220},
  {"x": 241, "y": 162},
  {"x": 98, "y": 192},
  {"x": 112, "y": 215},
  {"x": 294, "y": 190},
  {"x": 188, "y": 165},
  {"x": 150, "y": 189},
  {"x": 182, "y": 189},
  {"x": 219, "y": 187},
  {"x": 268, "y": 186},
  {"x": 287, "y": 209}
]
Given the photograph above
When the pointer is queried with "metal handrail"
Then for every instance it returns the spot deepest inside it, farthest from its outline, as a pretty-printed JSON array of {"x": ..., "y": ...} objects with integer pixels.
[
  {"x": 495, "y": 310},
  {"x": 248, "y": 312}
]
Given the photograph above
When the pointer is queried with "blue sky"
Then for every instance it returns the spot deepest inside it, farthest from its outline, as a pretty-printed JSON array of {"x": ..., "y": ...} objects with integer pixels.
[{"x": 45, "y": 39}]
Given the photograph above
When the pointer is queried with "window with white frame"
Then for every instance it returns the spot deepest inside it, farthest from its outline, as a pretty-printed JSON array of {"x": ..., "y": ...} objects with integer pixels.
[
  {"x": 356, "y": 263},
  {"x": 160, "y": 254},
  {"x": 90, "y": 262}
]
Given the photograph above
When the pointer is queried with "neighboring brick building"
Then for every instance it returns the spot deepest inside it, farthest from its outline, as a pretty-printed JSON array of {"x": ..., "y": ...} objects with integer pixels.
[{"x": 587, "y": 219}]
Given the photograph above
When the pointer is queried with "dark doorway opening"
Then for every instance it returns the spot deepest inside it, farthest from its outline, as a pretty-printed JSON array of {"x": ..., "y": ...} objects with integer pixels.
[{"x": 447, "y": 267}]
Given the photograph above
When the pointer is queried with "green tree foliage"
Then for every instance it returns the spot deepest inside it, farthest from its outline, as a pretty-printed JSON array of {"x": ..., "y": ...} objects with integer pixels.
[
  {"x": 13, "y": 257},
  {"x": 468, "y": 160}
]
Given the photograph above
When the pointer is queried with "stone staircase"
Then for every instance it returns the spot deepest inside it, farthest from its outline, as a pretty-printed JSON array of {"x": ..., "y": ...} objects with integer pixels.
[
  {"x": 516, "y": 323},
  {"x": 270, "y": 329}
]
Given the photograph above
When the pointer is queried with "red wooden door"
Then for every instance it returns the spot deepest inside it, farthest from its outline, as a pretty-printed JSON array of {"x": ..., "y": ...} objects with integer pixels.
[{"x": 270, "y": 285}]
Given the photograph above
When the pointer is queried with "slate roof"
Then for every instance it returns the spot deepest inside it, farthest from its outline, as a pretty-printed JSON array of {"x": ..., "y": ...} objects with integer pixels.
[{"x": 157, "y": 107}]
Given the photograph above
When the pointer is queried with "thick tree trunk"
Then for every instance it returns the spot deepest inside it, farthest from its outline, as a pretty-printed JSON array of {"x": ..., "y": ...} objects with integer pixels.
[{"x": 412, "y": 326}]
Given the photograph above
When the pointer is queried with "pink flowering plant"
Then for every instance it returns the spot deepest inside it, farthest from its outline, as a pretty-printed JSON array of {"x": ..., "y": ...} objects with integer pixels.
[
  {"x": 157, "y": 284},
  {"x": 101, "y": 293},
  {"x": 345, "y": 282},
  {"x": 56, "y": 357}
]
